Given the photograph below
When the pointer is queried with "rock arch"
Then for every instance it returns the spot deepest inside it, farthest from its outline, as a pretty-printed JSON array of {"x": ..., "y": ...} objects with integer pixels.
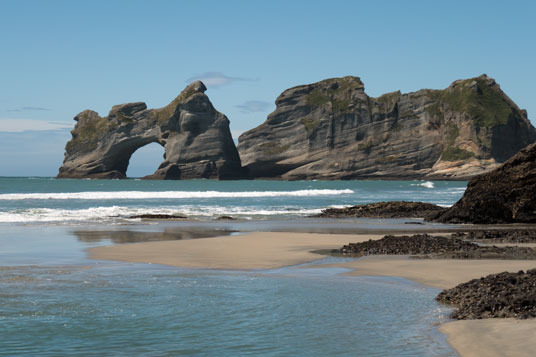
[{"x": 195, "y": 136}]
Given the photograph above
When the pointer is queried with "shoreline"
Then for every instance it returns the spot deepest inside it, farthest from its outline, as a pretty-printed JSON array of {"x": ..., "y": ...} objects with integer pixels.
[{"x": 269, "y": 250}]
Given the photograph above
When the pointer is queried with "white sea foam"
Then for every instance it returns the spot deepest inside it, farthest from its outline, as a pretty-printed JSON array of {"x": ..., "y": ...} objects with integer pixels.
[
  {"x": 140, "y": 195},
  {"x": 339, "y": 206},
  {"x": 456, "y": 189},
  {"x": 427, "y": 184},
  {"x": 115, "y": 213}
]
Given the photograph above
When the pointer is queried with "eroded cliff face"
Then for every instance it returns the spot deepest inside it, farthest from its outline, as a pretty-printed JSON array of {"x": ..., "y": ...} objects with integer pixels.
[
  {"x": 196, "y": 138},
  {"x": 333, "y": 130}
]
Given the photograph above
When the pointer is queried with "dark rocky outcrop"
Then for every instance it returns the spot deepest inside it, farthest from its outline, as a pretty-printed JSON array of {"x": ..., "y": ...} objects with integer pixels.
[
  {"x": 158, "y": 216},
  {"x": 504, "y": 195},
  {"x": 333, "y": 130},
  {"x": 499, "y": 236},
  {"x": 391, "y": 209},
  {"x": 497, "y": 295},
  {"x": 487, "y": 252},
  {"x": 437, "y": 247},
  {"x": 196, "y": 138},
  {"x": 225, "y": 218},
  {"x": 406, "y": 245}
]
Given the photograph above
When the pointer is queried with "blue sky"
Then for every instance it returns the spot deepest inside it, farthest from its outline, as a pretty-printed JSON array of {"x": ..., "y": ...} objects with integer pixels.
[{"x": 58, "y": 58}]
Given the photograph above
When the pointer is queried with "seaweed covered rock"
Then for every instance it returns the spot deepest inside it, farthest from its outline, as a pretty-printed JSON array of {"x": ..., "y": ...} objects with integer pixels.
[
  {"x": 196, "y": 138},
  {"x": 333, "y": 130},
  {"x": 504, "y": 195},
  {"x": 438, "y": 247},
  {"x": 499, "y": 236},
  {"x": 497, "y": 295},
  {"x": 158, "y": 216},
  {"x": 390, "y": 209},
  {"x": 407, "y": 245}
]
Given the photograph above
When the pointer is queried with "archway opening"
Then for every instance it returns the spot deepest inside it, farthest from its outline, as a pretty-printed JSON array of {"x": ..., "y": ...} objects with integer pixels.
[{"x": 145, "y": 160}]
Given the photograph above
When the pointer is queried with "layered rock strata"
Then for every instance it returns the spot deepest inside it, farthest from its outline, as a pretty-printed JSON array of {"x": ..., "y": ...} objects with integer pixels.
[
  {"x": 195, "y": 136},
  {"x": 504, "y": 195},
  {"x": 333, "y": 130}
]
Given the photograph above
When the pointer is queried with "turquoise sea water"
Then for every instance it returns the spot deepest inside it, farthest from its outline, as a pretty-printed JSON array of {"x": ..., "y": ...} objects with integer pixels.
[
  {"x": 27, "y": 200},
  {"x": 54, "y": 301}
]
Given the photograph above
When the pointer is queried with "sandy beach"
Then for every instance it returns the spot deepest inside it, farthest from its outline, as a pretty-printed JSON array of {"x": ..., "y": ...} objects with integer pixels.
[
  {"x": 492, "y": 337},
  {"x": 268, "y": 250},
  {"x": 439, "y": 273},
  {"x": 259, "y": 250}
]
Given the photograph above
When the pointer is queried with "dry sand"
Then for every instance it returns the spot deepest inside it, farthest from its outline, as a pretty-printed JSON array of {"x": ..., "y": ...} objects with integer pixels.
[{"x": 491, "y": 337}]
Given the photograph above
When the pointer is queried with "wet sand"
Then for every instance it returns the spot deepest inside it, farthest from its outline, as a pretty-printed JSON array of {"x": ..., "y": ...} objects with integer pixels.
[
  {"x": 259, "y": 250},
  {"x": 268, "y": 250},
  {"x": 492, "y": 337},
  {"x": 439, "y": 273}
]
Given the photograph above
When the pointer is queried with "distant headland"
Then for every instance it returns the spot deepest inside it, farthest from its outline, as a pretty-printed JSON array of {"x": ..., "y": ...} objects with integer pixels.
[{"x": 329, "y": 130}]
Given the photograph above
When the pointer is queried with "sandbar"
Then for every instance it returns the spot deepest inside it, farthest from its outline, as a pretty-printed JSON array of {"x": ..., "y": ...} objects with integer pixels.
[{"x": 258, "y": 250}]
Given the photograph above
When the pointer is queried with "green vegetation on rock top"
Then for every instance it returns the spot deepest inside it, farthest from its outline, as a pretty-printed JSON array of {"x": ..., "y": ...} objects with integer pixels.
[
  {"x": 186, "y": 94},
  {"x": 86, "y": 136},
  {"x": 162, "y": 115},
  {"x": 316, "y": 98},
  {"x": 339, "y": 94},
  {"x": 487, "y": 105},
  {"x": 454, "y": 154},
  {"x": 389, "y": 99}
]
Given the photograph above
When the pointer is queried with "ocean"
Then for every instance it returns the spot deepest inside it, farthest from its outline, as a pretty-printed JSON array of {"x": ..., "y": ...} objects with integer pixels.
[
  {"x": 48, "y": 200},
  {"x": 55, "y": 301}
]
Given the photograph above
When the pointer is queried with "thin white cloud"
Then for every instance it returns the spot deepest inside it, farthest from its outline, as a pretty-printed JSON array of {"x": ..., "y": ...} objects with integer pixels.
[
  {"x": 13, "y": 125},
  {"x": 23, "y": 109},
  {"x": 217, "y": 79},
  {"x": 254, "y": 106}
]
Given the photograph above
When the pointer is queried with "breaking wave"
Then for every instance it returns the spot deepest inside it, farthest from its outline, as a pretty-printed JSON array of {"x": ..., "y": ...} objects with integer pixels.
[
  {"x": 427, "y": 184},
  {"x": 121, "y": 213},
  {"x": 140, "y": 195}
]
